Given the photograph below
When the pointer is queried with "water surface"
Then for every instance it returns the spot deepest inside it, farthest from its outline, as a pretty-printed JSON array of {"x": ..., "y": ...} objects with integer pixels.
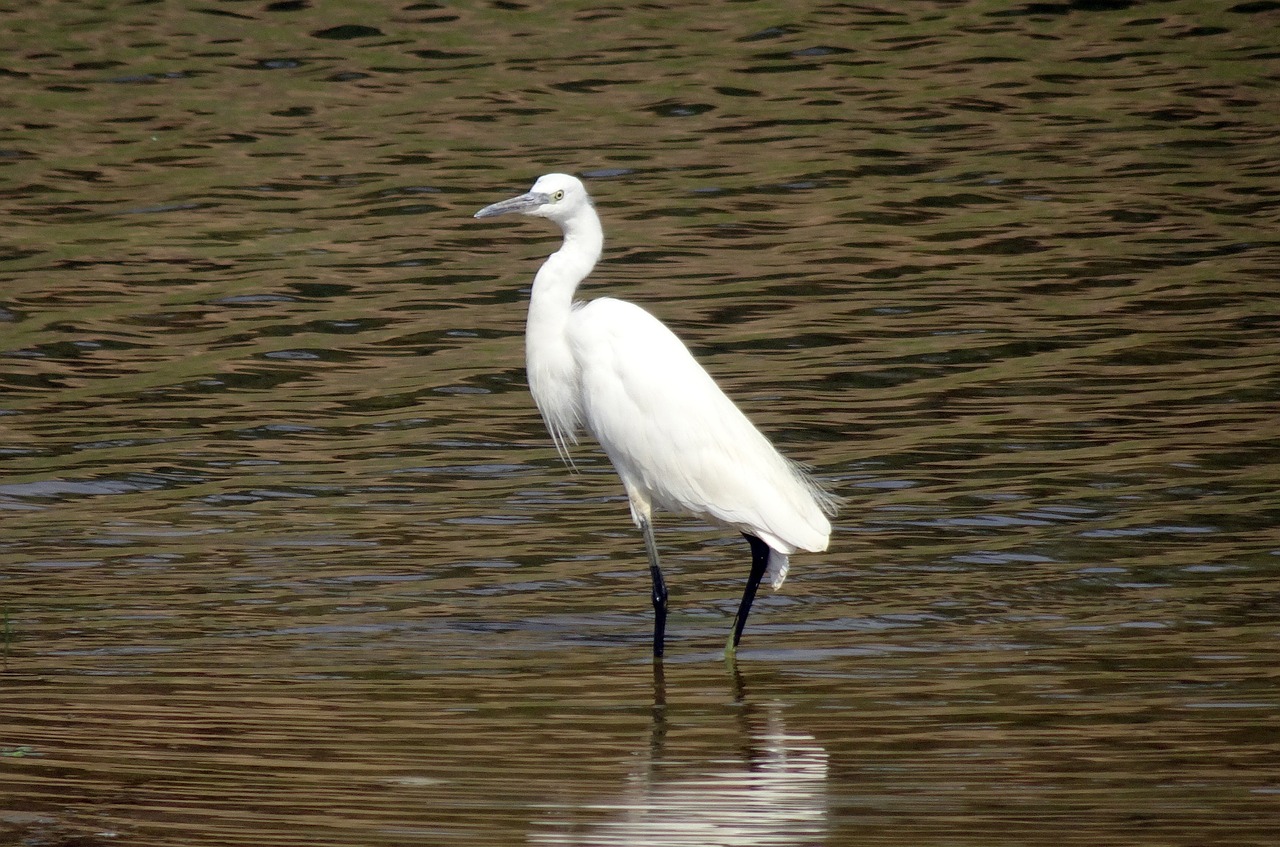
[{"x": 286, "y": 556}]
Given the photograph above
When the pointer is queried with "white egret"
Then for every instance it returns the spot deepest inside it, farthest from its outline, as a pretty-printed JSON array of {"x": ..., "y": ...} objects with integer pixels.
[{"x": 675, "y": 439}]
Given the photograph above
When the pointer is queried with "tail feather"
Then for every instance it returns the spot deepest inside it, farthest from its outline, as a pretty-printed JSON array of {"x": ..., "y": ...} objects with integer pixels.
[{"x": 776, "y": 573}]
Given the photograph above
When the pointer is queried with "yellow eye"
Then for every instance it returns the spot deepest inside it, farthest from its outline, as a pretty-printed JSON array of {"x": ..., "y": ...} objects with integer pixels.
[{"x": 559, "y": 195}]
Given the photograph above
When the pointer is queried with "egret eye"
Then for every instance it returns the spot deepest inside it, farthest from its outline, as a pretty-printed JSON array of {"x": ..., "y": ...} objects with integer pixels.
[{"x": 559, "y": 195}]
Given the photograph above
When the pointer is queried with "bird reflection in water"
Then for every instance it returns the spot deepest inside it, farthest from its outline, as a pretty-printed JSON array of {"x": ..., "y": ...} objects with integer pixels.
[{"x": 771, "y": 790}]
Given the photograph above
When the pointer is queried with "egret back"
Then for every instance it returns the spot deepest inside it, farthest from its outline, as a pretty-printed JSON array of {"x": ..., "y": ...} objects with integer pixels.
[{"x": 674, "y": 436}]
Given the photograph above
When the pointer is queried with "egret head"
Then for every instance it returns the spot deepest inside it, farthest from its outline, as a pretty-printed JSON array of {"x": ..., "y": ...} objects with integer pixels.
[{"x": 554, "y": 196}]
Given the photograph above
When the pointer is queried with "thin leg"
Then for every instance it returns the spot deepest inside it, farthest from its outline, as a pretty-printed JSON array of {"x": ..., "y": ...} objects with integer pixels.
[
  {"x": 659, "y": 589},
  {"x": 759, "y": 562}
]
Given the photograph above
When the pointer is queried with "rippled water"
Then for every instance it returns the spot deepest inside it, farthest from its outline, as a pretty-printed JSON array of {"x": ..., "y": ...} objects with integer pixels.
[{"x": 286, "y": 556}]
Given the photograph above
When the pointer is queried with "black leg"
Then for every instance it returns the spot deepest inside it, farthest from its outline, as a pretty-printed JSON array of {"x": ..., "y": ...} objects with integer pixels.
[
  {"x": 659, "y": 590},
  {"x": 759, "y": 562}
]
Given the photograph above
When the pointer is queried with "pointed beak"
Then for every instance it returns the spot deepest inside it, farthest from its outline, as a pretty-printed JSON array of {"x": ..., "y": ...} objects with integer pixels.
[{"x": 524, "y": 204}]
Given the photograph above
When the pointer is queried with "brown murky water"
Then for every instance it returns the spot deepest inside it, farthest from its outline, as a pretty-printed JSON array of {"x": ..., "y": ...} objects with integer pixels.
[{"x": 286, "y": 557}]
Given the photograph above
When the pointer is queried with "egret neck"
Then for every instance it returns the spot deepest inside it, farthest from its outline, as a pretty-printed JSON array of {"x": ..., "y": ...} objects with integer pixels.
[{"x": 549, "y": 361}]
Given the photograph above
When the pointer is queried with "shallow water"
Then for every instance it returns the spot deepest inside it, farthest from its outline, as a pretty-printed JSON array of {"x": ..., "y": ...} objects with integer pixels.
[{"x": 286, "y": 556}]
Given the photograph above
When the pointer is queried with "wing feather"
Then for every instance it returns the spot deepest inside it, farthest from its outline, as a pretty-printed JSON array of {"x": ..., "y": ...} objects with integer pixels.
[{"x": 671, "y": 432}]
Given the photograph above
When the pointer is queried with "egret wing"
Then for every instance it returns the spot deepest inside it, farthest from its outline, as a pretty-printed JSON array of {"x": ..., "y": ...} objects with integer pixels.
[{"x": 671, "y": 432}]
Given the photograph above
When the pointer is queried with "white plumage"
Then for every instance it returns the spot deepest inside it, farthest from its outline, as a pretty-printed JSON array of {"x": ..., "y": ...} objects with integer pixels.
[{"x": 675, "y": 439}]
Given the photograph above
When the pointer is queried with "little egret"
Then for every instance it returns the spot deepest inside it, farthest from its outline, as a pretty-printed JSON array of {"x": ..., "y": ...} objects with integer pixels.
[{"x": 675, "y": 439}]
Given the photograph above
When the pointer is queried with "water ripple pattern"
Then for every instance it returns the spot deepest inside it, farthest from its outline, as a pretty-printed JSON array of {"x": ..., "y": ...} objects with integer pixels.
[{"x": 287, "y": 558}]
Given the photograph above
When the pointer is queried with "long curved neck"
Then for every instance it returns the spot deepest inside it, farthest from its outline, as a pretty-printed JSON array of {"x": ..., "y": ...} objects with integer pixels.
[
  {"x": 564, "y": 269},
  {"x": 549, "y": 362}
]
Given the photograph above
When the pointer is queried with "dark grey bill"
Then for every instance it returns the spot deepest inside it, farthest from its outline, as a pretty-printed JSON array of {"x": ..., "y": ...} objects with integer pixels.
[{"x": 523, "y": 203}]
